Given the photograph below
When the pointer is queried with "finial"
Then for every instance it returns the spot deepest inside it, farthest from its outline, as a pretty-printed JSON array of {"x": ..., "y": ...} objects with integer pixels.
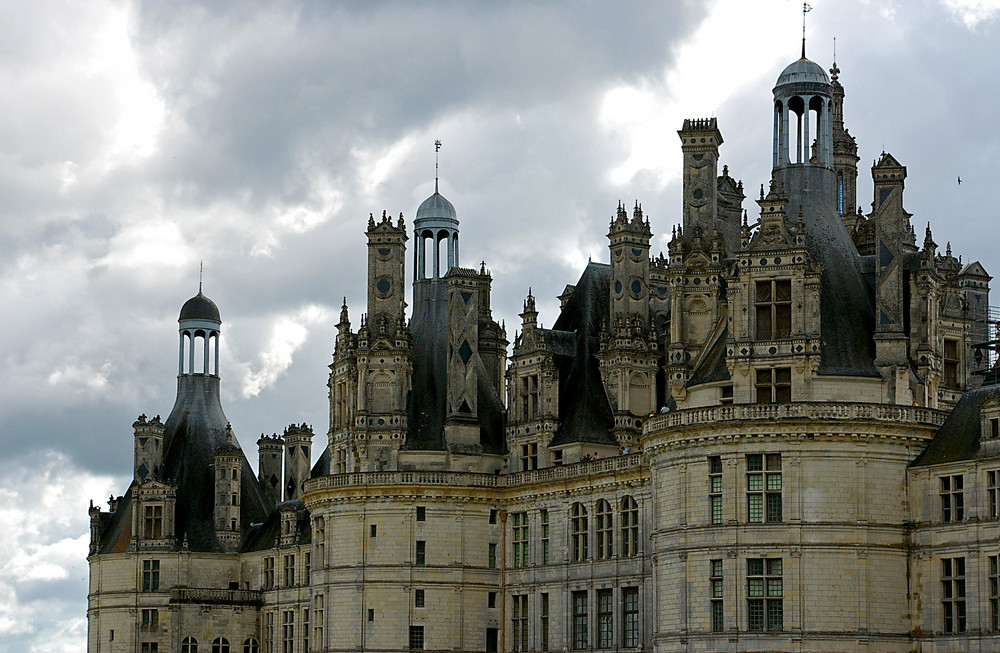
[
  {"x": 201, "y": 274},
  {"x": 437, "y": 148},
  {"x": 229, "y": 433},
  {"x": 805, "y": 10}
]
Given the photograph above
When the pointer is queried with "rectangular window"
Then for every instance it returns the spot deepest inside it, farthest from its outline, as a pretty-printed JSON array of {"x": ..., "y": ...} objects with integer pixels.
[
  {"x": 529, "y": 456},
  {"x": 307, "y": 563},
  {"x": 529, "y": 396},
  {"x": 773, "y": 304},
  {"x": 305, "y": 629},
  {"x": 150, "y": 619},
  {"x": 726, "y": 395},
  {"x": 952, "y": 499},
  {"x": 994, "y": 579},
  {"x": 715, "y": 578},
  {"x": 774, "y": 385},
  {"x": 318, "y": 610},
  {"x": 374, "y": 530},
  {"x": 629, "y": 526},
  {"x": 605, "y": 619},
  {"x": 288, "y": 631},
  {"x": 289, "y": 570},
  {"x": 763, "y": 487},
  {"x": 421, "y": 513},
  {"x": 416, "y": 638},
  {"x": 321, "y": 541},
  {"x": 579, "y": 527},
  {"x": 519, "y": 622},
  {"x": 492, "y": 635},
  {"x": 491, "y": 556},
  {"x": 153, "y": 522},
  {"x": 267, "y": 582},
  {"x": 715, "y": 488},
  {"x": 150, "y": 575},
  {"x": 543, "y": 622},
  {"x": 557, "y": 458},
  {"x": 994, "y": 428},
  {"x": 268, "y": 632},
  {"x": 993, "y": 493},
  {"x": 765, "y": 609},
  {"x": 421, "y": 553},
  {"x": 951, "y": 362},
  {"x": 520, "y": 539},
  {"x": 371, "y": 614},
  {"x": 418, "y": 598},
  {"x": 580, "y": 626},
  {"x": 604, "y": 530},
  {"x": 543, "y": 517},
  {"x": 493, "y": 515},
  {"x": 630, "y": 617},
  {"x": 150, "y": 647},
  {"x": 491, "y": 599},
  {"x": 953, "y": 594}
]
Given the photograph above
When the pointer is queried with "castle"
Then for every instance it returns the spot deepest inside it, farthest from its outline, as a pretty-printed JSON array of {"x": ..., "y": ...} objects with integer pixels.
[{"x": 783, "y": 434}]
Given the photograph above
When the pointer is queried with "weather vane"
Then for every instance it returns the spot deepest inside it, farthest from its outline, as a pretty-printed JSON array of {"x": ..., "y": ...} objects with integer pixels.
[
  {"x": 805, "y": 10},
  {"x": 437, "y": 148}
]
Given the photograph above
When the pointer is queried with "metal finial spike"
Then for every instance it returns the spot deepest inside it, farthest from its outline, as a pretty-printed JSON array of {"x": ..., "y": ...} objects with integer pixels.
[
  {"x": 805, "y": 9},
  {"x": 437, "y": 148},
  {"x": 201, "y": 274}
]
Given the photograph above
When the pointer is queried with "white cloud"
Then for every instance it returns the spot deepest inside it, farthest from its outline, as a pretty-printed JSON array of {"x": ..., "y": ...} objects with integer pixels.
[
  {"x": 973, "y": 12},
  {"x": 647, "y": 114},
  {"x": 288, "y": 333},
  {"x": 43, "y": 549}
]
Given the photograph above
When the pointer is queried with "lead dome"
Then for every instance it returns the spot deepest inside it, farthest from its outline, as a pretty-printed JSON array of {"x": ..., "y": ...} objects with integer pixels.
[{"x": 200, "y": 307}]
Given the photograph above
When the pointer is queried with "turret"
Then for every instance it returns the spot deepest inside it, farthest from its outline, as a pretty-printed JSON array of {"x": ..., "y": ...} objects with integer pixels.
[
  {"x": 227, "y": 461},
  {"x": 269, "y": 448},
  {"x": 386, "y": 270},
  {"x": 700, "y": 141},
  {"x": 629, "y": 245},
  {"x": 148, "y": 448},
  {"x": 298, "y": 458},
  {"x": 845, "y": 156}
]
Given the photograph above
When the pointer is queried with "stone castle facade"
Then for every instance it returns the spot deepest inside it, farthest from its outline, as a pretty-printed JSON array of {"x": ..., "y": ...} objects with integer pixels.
[{"x": 783, "y": 434}]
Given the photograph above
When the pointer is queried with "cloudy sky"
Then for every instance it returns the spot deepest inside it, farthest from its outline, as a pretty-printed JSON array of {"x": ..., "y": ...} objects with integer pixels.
[{"x": 140, "y": 140}]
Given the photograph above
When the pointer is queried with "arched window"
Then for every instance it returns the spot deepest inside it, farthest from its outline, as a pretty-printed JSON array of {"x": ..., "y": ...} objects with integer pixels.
[
  {"x": 578, "y": 531},
  {"x": 605, "y": 530},
  {"x": 629, "y": 521},
  {"x": 189, "y": 645},
  {"x": 220, "y": 645},
  {"x": 251, "y": 646}
]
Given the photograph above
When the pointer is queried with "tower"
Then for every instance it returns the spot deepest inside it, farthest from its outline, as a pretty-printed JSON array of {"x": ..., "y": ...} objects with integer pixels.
[
  {"x": 269, "y": 466},
  {"x": 700, "y": 141},
  {"x": 298, "y": 456},
  {"x": 227, "y": 459},
  {"x": 148, "y": 449},
  {"x": 386, "y": 271},
  {"x": 845, "y": 156}
]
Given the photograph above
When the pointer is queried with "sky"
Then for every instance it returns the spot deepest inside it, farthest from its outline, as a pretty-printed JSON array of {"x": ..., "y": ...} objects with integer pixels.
[{"x": 141, "y": 140}]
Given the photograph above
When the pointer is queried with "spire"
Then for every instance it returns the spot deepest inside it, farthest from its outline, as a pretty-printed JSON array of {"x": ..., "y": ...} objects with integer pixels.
[
  {"x": 805, "y": 9},
  {"x": 437, "y": 148},
  {"x": 201, "y": 274}
]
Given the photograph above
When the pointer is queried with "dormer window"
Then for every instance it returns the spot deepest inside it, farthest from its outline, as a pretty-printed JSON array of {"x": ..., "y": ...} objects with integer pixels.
[
  {"x": 773, "y": 304},
  {"x": 529, "y": 396},
  {"x": 951, "y": 362},
  {"x": 152, "y": 519},
  {"x": 774, "y": 385}
]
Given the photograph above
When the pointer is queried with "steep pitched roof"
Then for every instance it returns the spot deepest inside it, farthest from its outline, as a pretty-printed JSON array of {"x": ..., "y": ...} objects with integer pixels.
[
  {"x": 959, "y": 437},
  {"x": 584, "y": 409}
]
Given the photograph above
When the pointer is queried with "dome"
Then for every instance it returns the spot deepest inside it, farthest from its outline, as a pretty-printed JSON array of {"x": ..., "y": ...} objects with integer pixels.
[
  {"x": 436, "y": 207},
  {"x": 200, "y": 307},
  {"x": 803, "y": 70}
]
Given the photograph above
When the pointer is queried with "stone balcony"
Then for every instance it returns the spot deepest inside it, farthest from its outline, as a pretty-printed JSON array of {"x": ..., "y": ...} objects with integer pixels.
[
  {"x": 587, "y": 469},
  {"x": 821, "y": 411},
  {"x": 211, "y": 595}
]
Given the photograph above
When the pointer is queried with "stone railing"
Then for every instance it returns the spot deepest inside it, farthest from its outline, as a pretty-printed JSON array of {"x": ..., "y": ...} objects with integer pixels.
[
  {"x": 804, "y": 411},
  {"x": 576, "y": 470},
  {"x": 473, "y": 479},
  {"x": 215, "y": 596},
  {"x": 362, "y": 479}
]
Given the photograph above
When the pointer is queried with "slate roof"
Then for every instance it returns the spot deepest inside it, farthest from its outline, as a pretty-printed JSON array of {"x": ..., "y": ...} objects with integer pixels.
[
  {"x": 584, "y": 409},
  {"x": 712, "y": 367},
  {"x": 959, "y": 437},
  {"x": 195, "y": 429}
]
